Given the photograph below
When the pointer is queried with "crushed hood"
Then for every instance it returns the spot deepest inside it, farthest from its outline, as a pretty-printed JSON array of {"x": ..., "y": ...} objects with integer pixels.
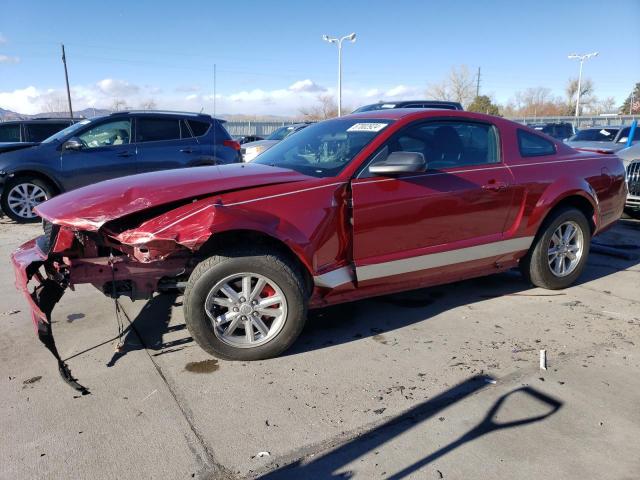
[{"x": 88, "y": 208}]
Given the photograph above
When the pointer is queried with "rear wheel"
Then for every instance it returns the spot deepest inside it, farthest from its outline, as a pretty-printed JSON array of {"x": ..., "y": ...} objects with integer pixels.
[
  {"x": 21, "y": 194},
  {"x": 245, "y": 304},
  {"x": 559, "y": 253}
]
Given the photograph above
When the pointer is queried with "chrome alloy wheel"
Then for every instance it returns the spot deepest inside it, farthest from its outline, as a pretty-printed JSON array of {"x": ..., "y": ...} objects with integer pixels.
[
  {"x": 565, "y": 249},
  {"x": 23, "y": 197},
  {"x": 246, "y": 309}
]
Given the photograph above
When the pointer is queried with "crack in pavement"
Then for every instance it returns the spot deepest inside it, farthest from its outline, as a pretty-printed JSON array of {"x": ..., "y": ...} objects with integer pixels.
[{"x": 210, "y": 468}]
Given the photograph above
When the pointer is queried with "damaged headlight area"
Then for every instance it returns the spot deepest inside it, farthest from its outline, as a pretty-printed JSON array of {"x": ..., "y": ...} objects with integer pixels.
[{"x": 62, "y": 258}]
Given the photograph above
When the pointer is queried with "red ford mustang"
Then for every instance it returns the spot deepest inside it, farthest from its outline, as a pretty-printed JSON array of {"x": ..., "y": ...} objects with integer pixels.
[{"x": 349, "y": 208}]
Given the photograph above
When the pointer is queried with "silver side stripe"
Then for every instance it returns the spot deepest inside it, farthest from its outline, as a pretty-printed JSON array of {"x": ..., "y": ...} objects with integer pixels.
[
  {"x": 334, "y": 278},
  {"x": 451, "y": 257}
]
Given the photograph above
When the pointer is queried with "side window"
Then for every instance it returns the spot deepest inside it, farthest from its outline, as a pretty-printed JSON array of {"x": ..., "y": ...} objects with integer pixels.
[
  {"x": 184, "y": 130},
  {"x": 157, "y": 129},
  {"x": 10, "y": 133},
  {"x": 532, "y": 145},
  {"x": 37, "y": 132},
  {"x": 449, "y": 144},
  {"x": 199, "y": 128},
  {"x": 107, "y": 134}
]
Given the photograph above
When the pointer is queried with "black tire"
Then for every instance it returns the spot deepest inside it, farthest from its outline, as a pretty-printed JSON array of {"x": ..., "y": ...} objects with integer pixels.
[
  {"x": 28, "y": 181},
  {"x": 255, "y": 260},
  {"x": 535, "y": 265},
  {"x": 632, "y": 213}
]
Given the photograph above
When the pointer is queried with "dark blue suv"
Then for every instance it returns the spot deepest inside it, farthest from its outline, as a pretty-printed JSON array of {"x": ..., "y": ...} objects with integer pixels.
[{"x": 123, "y": 143}]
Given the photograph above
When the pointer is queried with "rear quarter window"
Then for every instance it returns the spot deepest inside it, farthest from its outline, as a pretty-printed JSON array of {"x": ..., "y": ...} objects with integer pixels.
[
  {"x": 199, "y": 128},
  {"x": 532, "y": 145},
  {"x": 10, "y": 133}
]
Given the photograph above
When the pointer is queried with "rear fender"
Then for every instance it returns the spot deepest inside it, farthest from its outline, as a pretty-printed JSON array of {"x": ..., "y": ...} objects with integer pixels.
[{"x": 559, "y": 191}]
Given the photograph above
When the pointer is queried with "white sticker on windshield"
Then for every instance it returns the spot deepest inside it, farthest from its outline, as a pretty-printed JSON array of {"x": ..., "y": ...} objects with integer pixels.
[
  {"x": 605, "y": 133},
  {"x": 366, "y": 127},
  {"x": 388, "y": 105}
]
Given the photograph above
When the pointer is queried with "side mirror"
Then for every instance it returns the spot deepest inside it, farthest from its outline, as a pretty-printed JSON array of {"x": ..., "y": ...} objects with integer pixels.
[
  {"x": 400, "y": 162},
  {"x": 73, "y": 143}
]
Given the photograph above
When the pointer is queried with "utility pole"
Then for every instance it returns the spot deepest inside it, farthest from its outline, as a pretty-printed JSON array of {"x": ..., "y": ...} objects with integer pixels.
[
  {"x": 66, "y": 77},
  {"x": 338, "y": 42},
  {"x": 478, "y": 84},
  {"x": 582, "y": 58}
]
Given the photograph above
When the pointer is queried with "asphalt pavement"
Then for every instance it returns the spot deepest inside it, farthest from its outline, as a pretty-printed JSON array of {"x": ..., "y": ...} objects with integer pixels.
[{"x": 435, "y": 383}]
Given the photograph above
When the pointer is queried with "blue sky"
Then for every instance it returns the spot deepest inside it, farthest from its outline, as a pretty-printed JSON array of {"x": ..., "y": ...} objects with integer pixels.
[{"x": 270, "y": 57}]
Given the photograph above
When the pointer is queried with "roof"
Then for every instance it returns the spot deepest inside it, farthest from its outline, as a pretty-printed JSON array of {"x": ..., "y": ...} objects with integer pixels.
[
  {"x": 160, "y": 112},
  {"x": 398, "y": 113}
]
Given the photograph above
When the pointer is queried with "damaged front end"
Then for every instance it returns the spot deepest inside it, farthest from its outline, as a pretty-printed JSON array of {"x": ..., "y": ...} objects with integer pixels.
[{"x": 62, "y": 258}]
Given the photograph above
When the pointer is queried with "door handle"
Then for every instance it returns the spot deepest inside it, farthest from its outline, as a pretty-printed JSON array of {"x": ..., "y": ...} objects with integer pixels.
[
  {"x": 495, "y": 186},
  {"x": 125, "y": 154},
  {"x": 186, "y": 150}
]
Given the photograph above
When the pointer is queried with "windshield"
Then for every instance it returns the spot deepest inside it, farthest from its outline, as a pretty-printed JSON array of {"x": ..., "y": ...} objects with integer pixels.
[
  {"x": 281, "y": 133},
  {"x": 323, "y": 149},
  {"x": 595, "y": 135},
  {"x": 63, "y": 133}
]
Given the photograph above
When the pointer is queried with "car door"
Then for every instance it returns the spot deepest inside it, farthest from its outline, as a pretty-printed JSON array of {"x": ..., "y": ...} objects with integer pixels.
[
  {"x": 106, "y": 152},
  {"x": 165, "y": 142},
  {"x": 417, "y": 222}
]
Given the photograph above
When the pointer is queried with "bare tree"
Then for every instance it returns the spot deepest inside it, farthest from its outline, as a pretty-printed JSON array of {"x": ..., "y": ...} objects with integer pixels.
[
  {"x": 55, "y": 103},
  {"x": 118, "y": 104},
  {"x": 587, "y": 98},
  {"x": 325, "y": 108},
  {"x": 148, "y": 104},
  {"x": 535, "y": 101},
  {"x": 459, "y": 86}
]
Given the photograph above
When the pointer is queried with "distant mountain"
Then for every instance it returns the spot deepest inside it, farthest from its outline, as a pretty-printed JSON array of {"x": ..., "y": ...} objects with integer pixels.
[{"x": 6, "y": 115}]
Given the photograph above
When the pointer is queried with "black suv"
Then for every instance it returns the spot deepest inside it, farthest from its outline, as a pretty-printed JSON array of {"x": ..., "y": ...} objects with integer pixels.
[
  {"x": 123, "y": 143},
  {"x": 432, "y": 104},
  {"x": 16, "y": 134},
  {"x": 559, "y": 130}
]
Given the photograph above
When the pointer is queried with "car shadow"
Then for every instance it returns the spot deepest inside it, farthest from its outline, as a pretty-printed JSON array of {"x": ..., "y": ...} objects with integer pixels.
[
  {"x": 326, "y": 465},
  {"x": 147, "y": 329}
]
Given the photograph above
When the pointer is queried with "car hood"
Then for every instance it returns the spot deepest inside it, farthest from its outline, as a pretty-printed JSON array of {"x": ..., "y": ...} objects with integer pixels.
[
  {"x": 11, "y": 146},
  {"x": 260, "y": 143},
  {"x": 88, "y": 208}
]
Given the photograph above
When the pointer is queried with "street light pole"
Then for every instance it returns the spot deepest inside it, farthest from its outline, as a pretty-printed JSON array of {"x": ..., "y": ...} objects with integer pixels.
[
  {"x": 338, "y": 42},
  {"x": 582, "y": 58}
]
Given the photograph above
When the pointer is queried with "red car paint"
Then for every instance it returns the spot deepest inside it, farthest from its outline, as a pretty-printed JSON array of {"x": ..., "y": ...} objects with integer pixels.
[{"x": 355, "y": 237}]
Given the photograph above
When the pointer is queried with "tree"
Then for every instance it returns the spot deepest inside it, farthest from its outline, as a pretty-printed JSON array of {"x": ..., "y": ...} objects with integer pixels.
[
  {"x": 587, "y": 99},
  {"x": 459, "y": 86},
  {"x": 118, "y": 104},
  {"x": 324, "y": 109},
  {"x": 148, "y": 104},
  {"x": 608, "y": 105},
  {"x": 535, "y": 101},
  {"x": 483, "y": 104},
  {"x": 626, "y": 108}
]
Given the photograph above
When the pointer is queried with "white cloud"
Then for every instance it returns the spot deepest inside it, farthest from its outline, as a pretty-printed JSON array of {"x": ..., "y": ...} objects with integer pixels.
[
  {"x": 188, "y": 88},
  {"x": 279, "y": 101},
  {"x": 9, "y": 59},
  {"x": 117, "y": 88},
  {"x": 3, "y": 39},
  {"x": 306, "y": 85}
]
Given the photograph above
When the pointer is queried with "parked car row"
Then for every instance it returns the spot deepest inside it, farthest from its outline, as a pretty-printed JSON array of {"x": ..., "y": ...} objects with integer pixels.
[
  {"x": 120, "y": 144},
  {"x": 17, "y": 134},
  {"x": 344, "y": 209}
]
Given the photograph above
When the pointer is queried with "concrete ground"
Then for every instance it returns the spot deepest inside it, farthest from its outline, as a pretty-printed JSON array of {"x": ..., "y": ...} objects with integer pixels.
[{"x": 435, "y": 383}]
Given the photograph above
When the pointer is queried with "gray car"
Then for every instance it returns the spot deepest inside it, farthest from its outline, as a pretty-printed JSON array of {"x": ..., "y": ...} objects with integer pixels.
[
  {"x": 630, "y": 156},
  {"x": 609, "y": 139},
  {"x": 251, "y": 150}
]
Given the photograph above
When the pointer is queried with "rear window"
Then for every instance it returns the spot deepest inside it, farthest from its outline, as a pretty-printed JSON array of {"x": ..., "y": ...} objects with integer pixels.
[
  {"x": 37, "y": 132},
  {"x": 532, "y": 145},
  {"x": 624, "y": 135},
  {"x": 199, "y": 128},
  {"x": 10, "y": 133},
  {"x": 157, "y": 129}
]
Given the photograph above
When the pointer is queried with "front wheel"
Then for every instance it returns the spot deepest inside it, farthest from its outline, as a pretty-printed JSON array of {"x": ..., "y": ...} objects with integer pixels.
[
  {"x": 245, "y": 304},
  {"x": 560, "y": 250},
  {"x": 21, "y": 194}
]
